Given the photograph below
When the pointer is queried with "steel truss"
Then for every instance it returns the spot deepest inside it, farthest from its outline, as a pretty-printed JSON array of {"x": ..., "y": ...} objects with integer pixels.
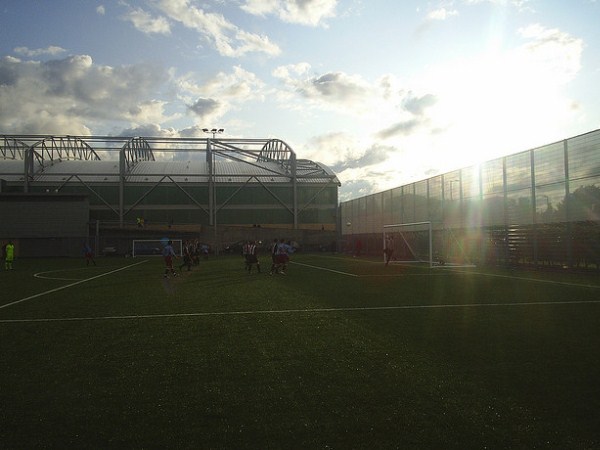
[{"x": 265, "y": 161}]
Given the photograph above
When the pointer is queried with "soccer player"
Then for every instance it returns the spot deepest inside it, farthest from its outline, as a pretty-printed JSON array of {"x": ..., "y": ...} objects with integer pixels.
[
  {"x": 204, "y": 249},
  {"x": 246, "y": 255},
  {"x": 168, "y": 254},
  {"x": 9, "y": 255},
  {"x": 187, "y": 256},
  {"x": 389, "y": 248},
  {"x": 89, "y": 255},
  {"x": 274, "y": 259},
  {"x": 284, "y": 250},
  {"x": 252, "y": 257}
]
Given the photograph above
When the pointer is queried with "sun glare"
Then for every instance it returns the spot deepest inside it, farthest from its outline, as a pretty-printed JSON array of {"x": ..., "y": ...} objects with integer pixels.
[{"x": 495, "y": 103}]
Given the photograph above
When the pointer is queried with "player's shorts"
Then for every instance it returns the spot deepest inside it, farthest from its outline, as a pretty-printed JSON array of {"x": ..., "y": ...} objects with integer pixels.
[
  {"x": 282, "y": 259},
  {"x": 169, "y": 261}
]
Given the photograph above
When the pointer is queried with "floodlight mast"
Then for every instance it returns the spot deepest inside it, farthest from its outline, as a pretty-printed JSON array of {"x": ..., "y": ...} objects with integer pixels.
[
  {"x": 212, "y": 192},
  {"x": 213, "y": 131}
]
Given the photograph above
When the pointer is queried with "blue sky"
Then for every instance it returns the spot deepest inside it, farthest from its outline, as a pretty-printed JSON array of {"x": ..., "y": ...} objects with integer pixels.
[{"x": 385, "y": 92}]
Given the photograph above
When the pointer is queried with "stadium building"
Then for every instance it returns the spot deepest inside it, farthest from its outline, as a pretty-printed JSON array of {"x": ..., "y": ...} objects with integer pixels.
[
  {"x": 539, "y": 207},
  {"x": 58, "y": 190}
]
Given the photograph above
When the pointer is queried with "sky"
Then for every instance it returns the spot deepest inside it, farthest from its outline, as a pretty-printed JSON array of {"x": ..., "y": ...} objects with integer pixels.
[{"x": 384, "y": 92}]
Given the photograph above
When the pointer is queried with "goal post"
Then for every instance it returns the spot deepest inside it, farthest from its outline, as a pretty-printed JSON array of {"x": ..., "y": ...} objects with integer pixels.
[
  {"x": 408, "y": 242},
  {"x": 424, "y": 242},
  {"x": 154, "y": 247}
]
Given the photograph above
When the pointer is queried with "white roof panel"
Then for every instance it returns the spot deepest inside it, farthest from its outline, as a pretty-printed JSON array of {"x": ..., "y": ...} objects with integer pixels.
[{"x": 94, "y": 171}]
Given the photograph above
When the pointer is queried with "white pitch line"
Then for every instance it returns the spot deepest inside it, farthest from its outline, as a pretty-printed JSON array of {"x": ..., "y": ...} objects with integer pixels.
[
  {"x": 300, "y": 311},
  {"x": 69, "y": 285},
  {"x": 535, "y": 280},
  {"x": 42, "y": 275},
  {"x": 55, "y": 278},
  {"x": 448, "y": 270},
  {"x": 399, "y": 275},
  {"x": 324, "y": 268}
]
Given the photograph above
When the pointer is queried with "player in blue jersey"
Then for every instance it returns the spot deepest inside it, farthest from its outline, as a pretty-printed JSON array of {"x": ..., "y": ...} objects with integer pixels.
[{"x": 168, "y": 254}]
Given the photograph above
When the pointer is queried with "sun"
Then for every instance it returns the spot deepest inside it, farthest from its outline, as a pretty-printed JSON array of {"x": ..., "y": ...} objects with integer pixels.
[{"x": 496, "y": 103}]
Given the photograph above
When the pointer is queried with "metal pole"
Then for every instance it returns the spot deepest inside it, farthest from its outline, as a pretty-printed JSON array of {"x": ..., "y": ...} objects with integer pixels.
[
  {"x": 295, "y": 190},
  {"x": 97, "y": 243},
  {"x": 568, "y": 205},
  {"x": 27, "y": 168},
  {"x": 209, "y": 160},
  {"x": 121, "y": 186},
  {"x": 430, "y": 245},
  {"x": 534, "y": 221}
]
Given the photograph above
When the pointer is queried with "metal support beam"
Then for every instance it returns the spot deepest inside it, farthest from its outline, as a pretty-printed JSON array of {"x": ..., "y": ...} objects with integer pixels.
[
  {"x": 122, "y": 169},
  {"x": 27, "y": 168},
  {"x": 294, "y": 188},
  {"x": 211, "y": 184}
]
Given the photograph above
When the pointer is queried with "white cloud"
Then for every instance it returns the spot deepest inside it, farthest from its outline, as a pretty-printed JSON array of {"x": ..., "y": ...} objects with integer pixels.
[
  {"x": 442, "y": 14},
  {"x": 519, "y": 5},
  {"x": 52, "y": 50},
  {"x": 153, "y": 129},
  {"x": 237, "y": 85},
  {"x": 228, "y": 39},
  {"x": 210, "y": 99},
  {"x": 349, "y": 158},
  {"x": 338, "y": 91},
  {"x": 384, "y": 107},
  {"x": 335, "y": 88},
  {"x": 101, "y": 10},
  {"x": 285, "y": 72},
  {"x": 551, "y": 52},
  {"x": 144, "y": 22},
  {"x": 74, "y": 95},
  {"x": 339, "y": 148},
  {"x": 304, "y": 12},
  {"x": 206, "y": 107},
  {"x": 362, "y": 166}
]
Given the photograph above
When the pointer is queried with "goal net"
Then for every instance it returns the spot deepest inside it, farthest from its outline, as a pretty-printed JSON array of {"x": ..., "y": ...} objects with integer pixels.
[
  {"x": 421, "y": 242},
  {"x": 154, "y": 247}
]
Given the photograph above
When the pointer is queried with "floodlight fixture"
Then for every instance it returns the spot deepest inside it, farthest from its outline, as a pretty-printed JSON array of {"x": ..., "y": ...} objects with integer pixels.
[{"x": 213, "y": 131}]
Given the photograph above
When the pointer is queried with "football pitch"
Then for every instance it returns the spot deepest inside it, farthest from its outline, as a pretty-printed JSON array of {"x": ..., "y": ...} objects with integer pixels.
[{"x": 338, "y": 353}]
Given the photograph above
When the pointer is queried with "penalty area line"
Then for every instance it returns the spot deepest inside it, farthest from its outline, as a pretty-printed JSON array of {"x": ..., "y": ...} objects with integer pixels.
[
  {"x": 326, "y": 269},
  {"x": 380, "y": 275},
  {"x": 299, "y": 311},
  {"x": 31, "y": 297},
  {"x": 529, "y": 279}
]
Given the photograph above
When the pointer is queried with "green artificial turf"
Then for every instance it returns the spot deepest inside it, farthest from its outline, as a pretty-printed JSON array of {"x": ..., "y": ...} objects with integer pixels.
[{"x": 338, "y": 353}]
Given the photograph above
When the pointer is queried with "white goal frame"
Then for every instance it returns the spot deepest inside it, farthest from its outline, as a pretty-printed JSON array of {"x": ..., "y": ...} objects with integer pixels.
[
  {"x": 432, "y": 256},
  {"x": 154, "y": 247}
]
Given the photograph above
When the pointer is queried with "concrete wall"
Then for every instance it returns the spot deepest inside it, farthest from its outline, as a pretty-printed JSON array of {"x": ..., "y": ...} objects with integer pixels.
[{"x": 44, "y": 224}]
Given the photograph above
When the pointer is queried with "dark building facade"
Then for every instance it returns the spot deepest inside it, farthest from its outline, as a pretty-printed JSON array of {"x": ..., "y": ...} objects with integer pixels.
[{"x": 173, "y": 183}]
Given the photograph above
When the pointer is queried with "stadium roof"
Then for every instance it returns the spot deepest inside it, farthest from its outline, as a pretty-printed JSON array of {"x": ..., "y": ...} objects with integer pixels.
[{"x": 102, "y": 159}]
